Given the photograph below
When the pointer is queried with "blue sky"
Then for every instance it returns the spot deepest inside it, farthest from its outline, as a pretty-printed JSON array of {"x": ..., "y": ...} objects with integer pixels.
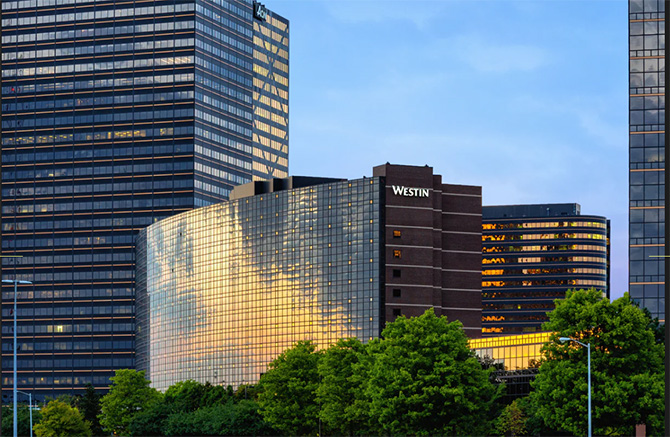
[{"x": 526, "y": 98}]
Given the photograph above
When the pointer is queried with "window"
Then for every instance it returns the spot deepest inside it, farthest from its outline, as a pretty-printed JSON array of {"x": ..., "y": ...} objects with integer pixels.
[
  {"x": 396, "y": 312},
  {"x": 396, "y": 273},
  {"x": 397, "y": 254},
  {"x": 397, "y": 234},
  {"x": 397, "y": 292}
]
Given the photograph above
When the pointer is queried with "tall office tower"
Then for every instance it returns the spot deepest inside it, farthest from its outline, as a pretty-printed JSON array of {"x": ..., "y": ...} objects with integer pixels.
[
  {"x": 115, "y": 115},
  {"x": 533, "y": 254},
  {"x": 647, "y": 154}
]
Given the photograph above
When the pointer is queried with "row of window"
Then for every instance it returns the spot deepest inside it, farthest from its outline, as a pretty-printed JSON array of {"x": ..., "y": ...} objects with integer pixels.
[
  {"x": 98, "y": 14},
  {"x": 544, "y": 271},
  {"x": 116, "y": 204},
  {"x": 543, "y": 248},
  {"x": 118, "y": 82},
  {"x": 30, "y": 154},
  {"x": 97, "y": 117},
  {"x": 533, "y": 225},
  {"x": 80, "y": 102},
  {"x": 97, "y": 135},
  {"x": 128, "y": 64},
  {"x": 225, "y": 38},
  {"x": 35, "y": 328},
  {"x": 99, "y": 48},
  {"x": 562, "y": 236},
  {"x": 138, "y": 29},
  {"x": 543, "y": 259},
  {"x": 224, "y": 106}
]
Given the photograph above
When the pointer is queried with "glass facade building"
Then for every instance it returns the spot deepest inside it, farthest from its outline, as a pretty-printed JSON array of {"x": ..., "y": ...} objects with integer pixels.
[
  {"x": 647, "y": 154},
  {"x": 533, "y": 254},
  {"x": 116, "y": 115},
  {"x": 223, "y": 290}
]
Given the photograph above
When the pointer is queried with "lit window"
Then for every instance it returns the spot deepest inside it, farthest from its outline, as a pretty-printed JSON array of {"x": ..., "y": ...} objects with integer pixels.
[
  {"x": 397, "y": 234},
  {"x": 397, "y": 254}
]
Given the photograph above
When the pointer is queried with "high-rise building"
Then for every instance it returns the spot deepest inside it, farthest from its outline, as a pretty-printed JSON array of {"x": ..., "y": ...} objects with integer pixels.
[
  {"x": 533, "y": 254},
  {"x": 115, "y": 115},
  {"x": 647, "y": 154},
  {"x": 223, "y": 290}
]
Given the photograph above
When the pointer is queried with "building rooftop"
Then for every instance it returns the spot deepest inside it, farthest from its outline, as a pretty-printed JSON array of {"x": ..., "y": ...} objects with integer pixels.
[{"x": 537, "y": 210}]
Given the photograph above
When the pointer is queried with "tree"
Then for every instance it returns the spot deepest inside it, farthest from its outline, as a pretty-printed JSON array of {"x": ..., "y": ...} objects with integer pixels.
[
  {"x": 627, "y": 367},
  {"x": 61, "y": 420},
  {"x": 344, "y": 407},
  {"x": 512, "y": 420},
  {"x": 89, "y": 406},
  {"x": 23, "y": 419},
  {"x": 426, "y": 381},
  {"x": 129, "y": 395},
  {"x": 287, "y": 390}
]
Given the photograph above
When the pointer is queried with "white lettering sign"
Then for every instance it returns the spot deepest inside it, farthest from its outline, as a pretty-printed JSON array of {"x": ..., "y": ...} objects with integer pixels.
[
  {"x": 260, "y": 11},
  {"x": 410, "y": 192}
]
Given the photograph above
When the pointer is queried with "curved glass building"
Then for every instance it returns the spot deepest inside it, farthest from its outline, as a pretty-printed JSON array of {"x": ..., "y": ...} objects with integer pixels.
[
  {"x": 533, "y": 254},
  {"x": 223, "y": 290}
]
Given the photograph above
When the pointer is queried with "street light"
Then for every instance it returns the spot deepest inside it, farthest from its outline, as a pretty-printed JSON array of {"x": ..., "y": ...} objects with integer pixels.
[
  {"x": 30, "y": 408},
  {"x": 588, "y": 352},
  {"x": 16, "y": 283}
]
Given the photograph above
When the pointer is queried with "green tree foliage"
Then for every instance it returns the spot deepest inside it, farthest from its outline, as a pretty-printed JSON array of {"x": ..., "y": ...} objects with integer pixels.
[
  {"x": 89, "y": 406},
  {"x": 512, "y": 420},
  {"x": 23, "y": 419},
  {"x": 626, "y": 364},
  {"x": 129, "y": 395},
  {"x": 287, "y": 391},
  {"x": 425, "y": 380},
  {"x": 190, "y": 408},
  {"x": 61, "y": 420},
  {"x": 342, "y": 371}
]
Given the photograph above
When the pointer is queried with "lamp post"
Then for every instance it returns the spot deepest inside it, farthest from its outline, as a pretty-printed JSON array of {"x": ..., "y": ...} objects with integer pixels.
[
  {"x": 588, "y": 353},
  {"x": 30, "y": 408},
  {"x": 16, "y": 283}
]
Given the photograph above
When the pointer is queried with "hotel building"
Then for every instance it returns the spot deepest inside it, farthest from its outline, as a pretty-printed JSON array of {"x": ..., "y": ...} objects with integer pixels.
[{"x": 224, "y": 289}]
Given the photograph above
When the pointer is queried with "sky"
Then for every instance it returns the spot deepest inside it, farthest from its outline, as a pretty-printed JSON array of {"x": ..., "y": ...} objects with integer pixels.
[{"x": 527, "y": 99}]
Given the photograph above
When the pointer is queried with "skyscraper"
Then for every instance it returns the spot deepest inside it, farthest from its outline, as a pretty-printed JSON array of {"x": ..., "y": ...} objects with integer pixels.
[
  {"x": 647, "y": 154},
  {"x": 116, "y": 115}
]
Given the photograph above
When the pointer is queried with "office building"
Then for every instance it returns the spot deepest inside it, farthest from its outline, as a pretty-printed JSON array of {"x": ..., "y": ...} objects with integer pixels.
[
  {"x": 533, "y": 254},
  {"x": 223, "y": 290},
  {"x": 515, "y": 358},
  {"x": 117, "y": 115},
  {"x": 647, "y": 154}
]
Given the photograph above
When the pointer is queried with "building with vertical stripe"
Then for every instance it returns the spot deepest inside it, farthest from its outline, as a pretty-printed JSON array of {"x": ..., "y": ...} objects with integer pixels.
[
  {"x": 647, "y": 154},
  {"x": 116, "y": 115},
  {"x": 224, "y": 289}
]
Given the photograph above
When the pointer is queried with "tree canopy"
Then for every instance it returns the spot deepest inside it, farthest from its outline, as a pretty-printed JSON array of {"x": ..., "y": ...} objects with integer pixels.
[
  {"x": 287, "y": 391},
  {"x": 425, "y": 380},
  {"x": 129, "y": 395},
  {"x": 627, "y": 367},
  {"x": 61, "y": 420}
]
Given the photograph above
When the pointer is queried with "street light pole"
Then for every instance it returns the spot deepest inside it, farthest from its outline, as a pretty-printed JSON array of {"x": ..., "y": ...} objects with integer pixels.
[
  {"x": 30, "y": 408},
  {"x": 16, "y": 283},
  {"x": 588, "y": 366}
]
